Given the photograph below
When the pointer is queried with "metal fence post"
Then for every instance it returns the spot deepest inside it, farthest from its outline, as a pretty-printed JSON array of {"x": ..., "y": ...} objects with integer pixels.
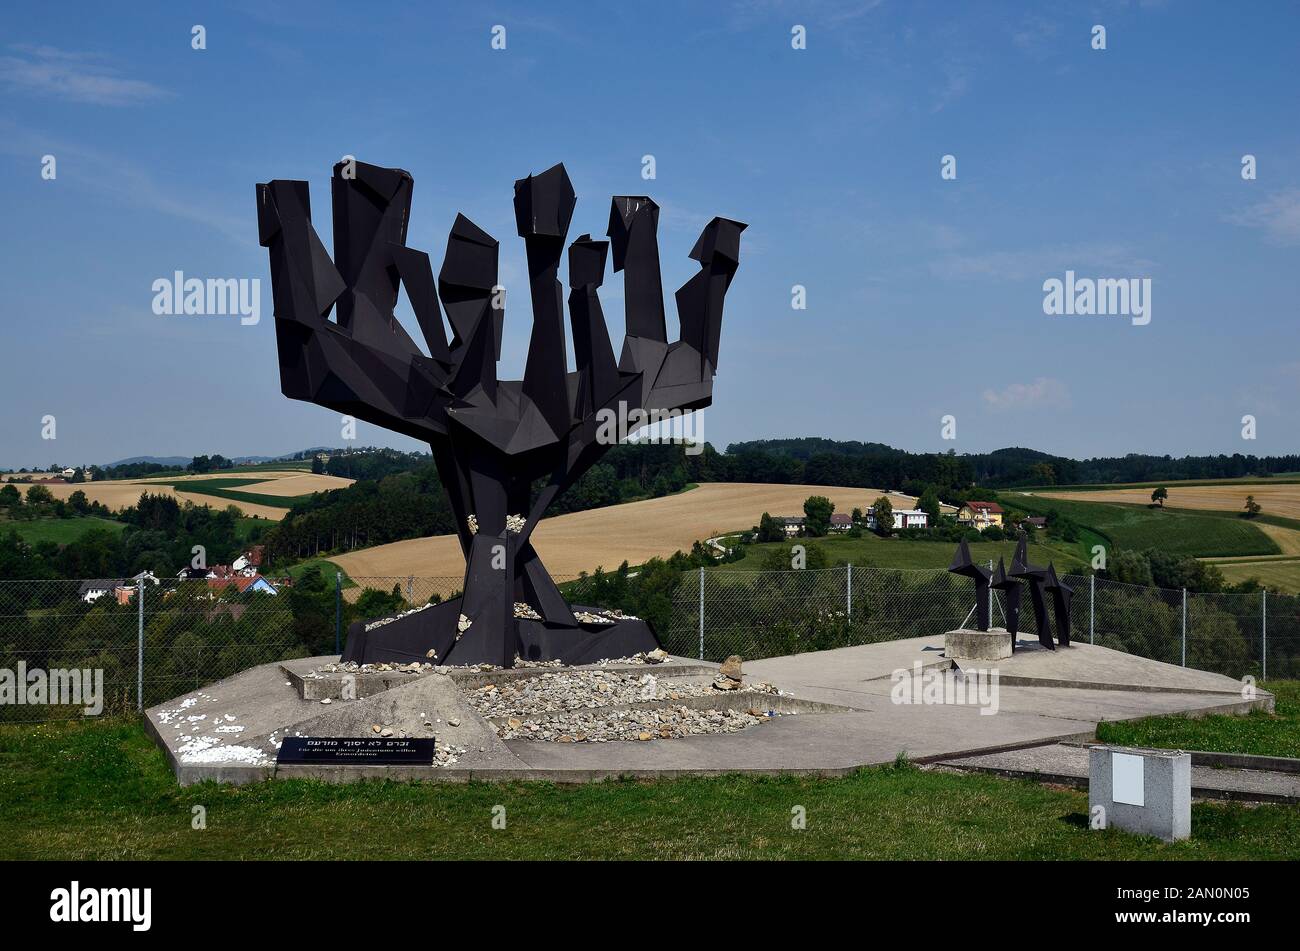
[
  {"x": 139, "y": 653},
  {"x": 1263, "y": 631},
  {"x": 338, "y": 612},
  {"x": 848, "y": 594},
  {"x": 701, "y": 613},
  {"x": 1184, "y": 627},
  {"x": 1092, "y": 607}
]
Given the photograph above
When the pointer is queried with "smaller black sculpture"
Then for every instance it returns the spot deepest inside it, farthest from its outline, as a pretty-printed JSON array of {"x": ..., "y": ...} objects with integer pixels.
[
  {"x": 1010, "y": 588},
  {"x": 963, "y": 565},
  {"x": 1062, "y": 595},
  {"x": 1035, "y": 577}
]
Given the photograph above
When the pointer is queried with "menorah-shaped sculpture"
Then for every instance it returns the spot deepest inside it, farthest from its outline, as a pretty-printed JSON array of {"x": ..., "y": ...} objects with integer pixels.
[{"x": 492, "y": 440}]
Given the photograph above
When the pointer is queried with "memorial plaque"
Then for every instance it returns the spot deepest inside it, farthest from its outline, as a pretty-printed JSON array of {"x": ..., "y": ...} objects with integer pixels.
[
  {"x": 357, "y": 750},
  {"x": 1128, "y": 779}
]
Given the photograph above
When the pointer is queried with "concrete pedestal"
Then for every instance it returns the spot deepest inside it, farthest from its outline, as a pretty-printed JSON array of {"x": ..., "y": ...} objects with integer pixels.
[
  {"x": 1139, "y": 790},
  {"x": 965, "y": 644}
]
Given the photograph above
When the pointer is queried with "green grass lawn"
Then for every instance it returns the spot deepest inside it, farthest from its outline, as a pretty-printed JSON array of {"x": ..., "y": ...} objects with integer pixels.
[
  {"x": 102, "y": 791},
  {"x": 1263, "y": 734},
  {"x": 872, "y": 551},
  {"x": 61, "y": 531},
  {"x": 1206, "y": 534}
]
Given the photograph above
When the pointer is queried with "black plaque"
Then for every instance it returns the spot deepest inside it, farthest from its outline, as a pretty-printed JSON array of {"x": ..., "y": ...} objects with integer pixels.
[{"x": 357, "y": 750}]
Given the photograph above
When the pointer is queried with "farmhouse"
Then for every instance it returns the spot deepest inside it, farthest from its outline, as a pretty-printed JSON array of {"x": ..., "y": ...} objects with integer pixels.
[
  {"x": 1034, "y": 521},
  {"x": 980, "y": 514},
  {"x": 841, "y": 522},
  {"x": 792, "y": 525},
  {"x": 95, "y": 588}
]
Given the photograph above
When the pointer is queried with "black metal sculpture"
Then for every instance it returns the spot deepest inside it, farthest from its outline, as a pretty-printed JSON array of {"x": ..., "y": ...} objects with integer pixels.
[
  {"x": 1062, "y": 596},
  {"x": 1035, "y": 577},
  {"x": 963, "y": 565},
  {"x": 492, "y": 440},
  {"x": 1010, "y": 589}
]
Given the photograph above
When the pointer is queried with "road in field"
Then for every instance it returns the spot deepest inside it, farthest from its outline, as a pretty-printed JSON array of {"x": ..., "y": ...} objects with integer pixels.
[{"x": 633, "y": 531}]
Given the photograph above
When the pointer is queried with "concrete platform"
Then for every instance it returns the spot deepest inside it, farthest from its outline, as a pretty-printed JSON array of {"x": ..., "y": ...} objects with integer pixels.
[
  {"x": 841, "y": 711},
  {"x": 1067, "y": 764}
]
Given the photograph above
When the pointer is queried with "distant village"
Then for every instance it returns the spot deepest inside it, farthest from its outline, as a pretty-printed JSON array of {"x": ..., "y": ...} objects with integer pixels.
[
  {"x": 241, "y": 575},
  {"x": 976, "y": 515}
]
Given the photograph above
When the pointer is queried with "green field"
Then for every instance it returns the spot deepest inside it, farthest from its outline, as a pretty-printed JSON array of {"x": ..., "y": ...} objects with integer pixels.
[
  {"x": 226, "y": 488},
  {"x": 872, "y": 551},
  {"x": 102, "y": 791},
  {"x": 61, "y": 531},
  {"x": 1202, "y": 534},
  {"x": 1282, "y": 575},
  {"x": 327, "y": 570},
  {"x": 1259, "y": 733}
]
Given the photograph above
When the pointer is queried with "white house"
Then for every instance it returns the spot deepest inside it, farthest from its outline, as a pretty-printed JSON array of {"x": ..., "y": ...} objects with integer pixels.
[
  {"x": 903, "y": 518},
  {"x": 792, "y": 525}
]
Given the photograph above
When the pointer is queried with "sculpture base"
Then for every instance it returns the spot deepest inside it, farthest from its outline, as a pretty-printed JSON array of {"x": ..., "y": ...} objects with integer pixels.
[
  {"x": 965, "y": 644},
  {"x": 430, "y": 636}
]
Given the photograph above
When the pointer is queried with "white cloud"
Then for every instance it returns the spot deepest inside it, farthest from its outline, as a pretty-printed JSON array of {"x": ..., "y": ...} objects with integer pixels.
[
  {"x": 1278, "y": 215},
  {"x": 1043, "y": 392},
  {"x": 76, "y": 77}
]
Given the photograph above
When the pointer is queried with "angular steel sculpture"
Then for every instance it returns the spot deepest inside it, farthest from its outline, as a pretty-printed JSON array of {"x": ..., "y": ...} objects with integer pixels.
[
  {"x": 1035, "y": 577},
  {"x": 963, "y": 565},
  {"x": 1062, "y": 596},
  {"x": 1010, "y": 589},
  {"x": 493, "y": 440}
]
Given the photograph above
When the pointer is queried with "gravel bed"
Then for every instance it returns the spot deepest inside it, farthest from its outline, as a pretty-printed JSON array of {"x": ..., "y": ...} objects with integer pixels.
[
  {"x": 603, "y": 726},
  {"x": 588, "y": 689}
]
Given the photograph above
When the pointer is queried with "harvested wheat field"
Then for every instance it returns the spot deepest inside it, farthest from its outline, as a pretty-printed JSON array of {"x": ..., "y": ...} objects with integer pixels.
[
  {"x": 605, "y": 537},
  {"x": 117, "y": 494},
  {"x": 1276, "y": 498},
  {"x": 298, "y": 484}
]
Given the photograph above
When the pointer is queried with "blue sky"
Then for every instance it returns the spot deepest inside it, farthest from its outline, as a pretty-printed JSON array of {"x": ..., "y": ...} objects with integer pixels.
[{"x": 924, "y": 296}]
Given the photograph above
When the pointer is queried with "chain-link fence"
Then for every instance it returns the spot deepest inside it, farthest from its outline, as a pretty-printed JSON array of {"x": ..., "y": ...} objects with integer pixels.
[
  {"x": 185, "y": 634},
  {"x": 717, "y": 612}
]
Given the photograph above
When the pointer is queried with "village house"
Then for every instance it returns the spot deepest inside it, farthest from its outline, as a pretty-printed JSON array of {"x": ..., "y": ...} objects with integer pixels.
[
  {"x": 792, "y": 525},
  {"x": 980, "y": 515},
  {"x": 841, "y": 522},
  {"x": 903, "y": 518}
]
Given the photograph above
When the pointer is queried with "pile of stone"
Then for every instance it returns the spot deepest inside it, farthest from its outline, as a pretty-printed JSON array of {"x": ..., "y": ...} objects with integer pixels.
[
  {"x": 396, "y": 617},
  {"x": 352, "y": 667},
  {"x": 525, "y": 610},
  {"x": 729, "y": 676},
  {"x": 604, "y": 616},
  {"x": 656, "y": 656},
  {"x": 569, "y": 690},
  {"x": 603, "y": 726}
]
